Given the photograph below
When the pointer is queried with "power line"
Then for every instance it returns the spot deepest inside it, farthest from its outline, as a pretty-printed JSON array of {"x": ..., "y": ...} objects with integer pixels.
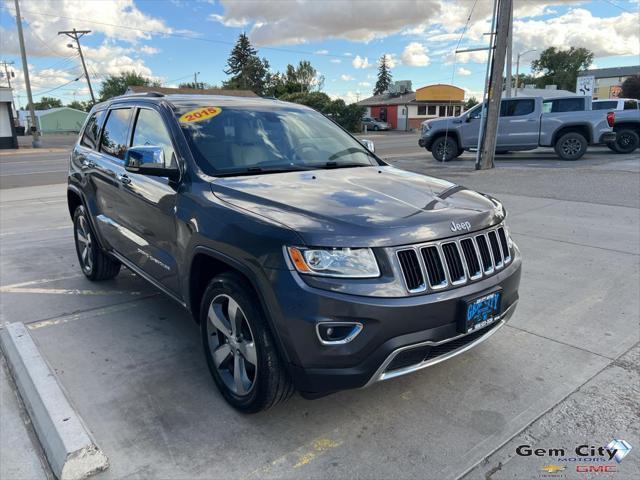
[
  {"x": 618, "y": 6},
  {"x": 59, "y": 86}
]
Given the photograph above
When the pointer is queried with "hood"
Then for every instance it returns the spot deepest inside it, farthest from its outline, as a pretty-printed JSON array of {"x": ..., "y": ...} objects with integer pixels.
[
  {"x": 363, "y": 206},
  {"x": 436, "y": 121}
]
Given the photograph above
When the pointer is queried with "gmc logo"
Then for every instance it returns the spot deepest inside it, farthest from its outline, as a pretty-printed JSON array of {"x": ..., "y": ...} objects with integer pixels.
[{"x": 595, "y": 468}]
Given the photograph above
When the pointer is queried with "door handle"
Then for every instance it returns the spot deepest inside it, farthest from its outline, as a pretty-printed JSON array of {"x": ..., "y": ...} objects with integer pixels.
[{"x": 124, "y": 179}]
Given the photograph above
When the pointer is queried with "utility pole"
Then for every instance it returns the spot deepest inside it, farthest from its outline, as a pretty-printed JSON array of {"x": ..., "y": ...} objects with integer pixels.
[
  {"x": 35, "y": 142},
  {"x": 509, "y": 55},
  {"x": 195, "y": 79},
  {"x": 488, "y": 145},
  {"x": 76, "y": 35},
  {"x": 8, "y": 74},
  {"x": 518, "y": 67}
]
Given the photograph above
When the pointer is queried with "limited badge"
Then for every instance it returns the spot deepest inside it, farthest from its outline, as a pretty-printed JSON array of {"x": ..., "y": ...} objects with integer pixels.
[{"x": 199, "y": 114}]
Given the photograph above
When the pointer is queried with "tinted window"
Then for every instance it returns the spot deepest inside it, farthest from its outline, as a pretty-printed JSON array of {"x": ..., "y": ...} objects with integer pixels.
[
  {"x": 609, "y": 105},
  {"x": 432, "y": 110},
  {"x": 563, "y": 105},
  {"x": 236, "y": 139},
  {"x": 630, "y": 105},
  {"x": 92, "y": 130},
  {"x": 475, "y": 112},
  {"x": 114, "y": 136},
  {"x": 151, "y": 131},
  {"x": 422, "y": 109},
  {"x": 516, "y": 108}
]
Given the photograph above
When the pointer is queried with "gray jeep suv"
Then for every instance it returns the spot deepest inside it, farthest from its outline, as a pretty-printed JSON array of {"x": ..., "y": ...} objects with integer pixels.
[{"x": 308, "y": 263}]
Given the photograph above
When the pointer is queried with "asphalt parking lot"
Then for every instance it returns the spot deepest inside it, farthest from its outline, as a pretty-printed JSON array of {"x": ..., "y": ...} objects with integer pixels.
[{"x": 562, "y": 373}]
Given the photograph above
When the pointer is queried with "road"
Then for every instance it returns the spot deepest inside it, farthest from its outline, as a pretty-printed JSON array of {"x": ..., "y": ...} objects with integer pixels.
[{"x": 563, "y": 372}]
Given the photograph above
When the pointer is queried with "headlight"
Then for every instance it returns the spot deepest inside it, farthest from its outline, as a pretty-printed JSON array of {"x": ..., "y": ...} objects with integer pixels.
[
  {"x": 335, "y": 262},
  {"x": 425, "y": 127}
]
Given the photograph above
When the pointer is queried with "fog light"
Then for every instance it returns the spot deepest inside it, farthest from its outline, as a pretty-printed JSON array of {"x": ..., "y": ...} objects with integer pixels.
[{"x": 337, "y": 333}]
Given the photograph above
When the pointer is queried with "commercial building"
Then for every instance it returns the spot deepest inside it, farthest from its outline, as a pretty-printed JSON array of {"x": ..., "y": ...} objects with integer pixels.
[
  {"x": 7, "y": 130},
  {"x": 404, "y": 109},
  {"x": 54, "y": 120},
  {"x": 608, "y": 81}
]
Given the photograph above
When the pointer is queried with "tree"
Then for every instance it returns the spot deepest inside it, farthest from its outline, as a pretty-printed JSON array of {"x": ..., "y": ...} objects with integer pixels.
[
  {"x": 78, "y": 105},
  {"x": 116, "y": 85},
  {"x": 470, "y": 103},
  {"x": 46, "y": 103},
  {"x": 348, "y": 116},
  {"x": 195, "y": 86},
  {"x": 560, "y": 67},
  {"x": 247, "y": 70},
  {"x": 384, "y": 76},
  {"x": 631, "y": 87}
]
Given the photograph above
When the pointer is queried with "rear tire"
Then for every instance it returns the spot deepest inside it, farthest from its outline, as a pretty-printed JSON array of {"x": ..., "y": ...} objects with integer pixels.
[
  {"x": 376, "y": 128},
  {"x": 444, "y": 149},
  {"x": 94, "y": 262},
  {"x": 571, "y": 146},
  {"x": 239, "y": 348},
  {"x": 626, "y": 141}
]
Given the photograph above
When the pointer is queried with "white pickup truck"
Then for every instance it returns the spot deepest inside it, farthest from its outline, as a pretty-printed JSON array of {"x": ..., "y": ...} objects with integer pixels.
[{"x": 523, "y": 125}]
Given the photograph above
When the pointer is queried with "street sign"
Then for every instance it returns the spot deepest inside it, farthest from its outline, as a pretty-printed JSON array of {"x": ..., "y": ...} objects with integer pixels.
[{"x": 585, "y": 85}]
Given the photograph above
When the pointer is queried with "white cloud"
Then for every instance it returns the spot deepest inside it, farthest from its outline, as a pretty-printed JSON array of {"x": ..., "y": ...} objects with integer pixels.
[
  {"x": 348, "y": 54},
  {"x": 392, "y": 60},
  {"x": 364, "y": 84},
  {"x": 464, "y": 72},
  {"x": 231, "y": 22},
  {"x": 360, "y": 62},
  {"x": 335, "y": 60},
  {"x": 321, "y": 52},
  {"x": 148, "y": 50},
  {"x": 415, "y": 55},
  {"x": 348, "y": 97},
  {"x": 346, "y": 78},
  {"x": 302, "y": 21}
]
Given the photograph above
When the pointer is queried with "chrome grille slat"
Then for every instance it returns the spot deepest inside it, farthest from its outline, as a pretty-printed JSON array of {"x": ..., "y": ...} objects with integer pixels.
[{"x": 454, "y": 262}]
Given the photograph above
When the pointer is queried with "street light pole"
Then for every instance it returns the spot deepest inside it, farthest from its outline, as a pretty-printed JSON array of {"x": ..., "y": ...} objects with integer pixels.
[
  {"x": 75, "y": 35},
  {"x": 518, "y": 67},
  {"x": 35, "y": 142},
  {"x": 509, "y": 56}
]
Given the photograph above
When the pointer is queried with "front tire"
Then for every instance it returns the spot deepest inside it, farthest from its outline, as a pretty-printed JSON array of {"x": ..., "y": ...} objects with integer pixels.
[
  {"x": 626, "y": 141},
  {"x": 239, "y": 348},
  {"x": 95, "y": 264},
  {"x": 444, "y": 149},
  {"x": 571, "y": 146}
]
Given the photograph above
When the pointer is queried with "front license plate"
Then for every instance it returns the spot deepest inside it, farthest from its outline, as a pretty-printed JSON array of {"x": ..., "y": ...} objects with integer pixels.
[{"x": 482, "y": 311}]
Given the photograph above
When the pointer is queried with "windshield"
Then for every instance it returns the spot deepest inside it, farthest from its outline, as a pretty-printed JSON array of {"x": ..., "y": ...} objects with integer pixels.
[
  {"x": 604, "y": 105},
  {"x": 263, "y": 139}
]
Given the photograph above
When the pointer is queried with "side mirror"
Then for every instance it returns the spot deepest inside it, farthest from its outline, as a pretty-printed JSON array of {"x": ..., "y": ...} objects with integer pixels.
[
  {"x": 149, "y": 161},
  {"x": 368, "y": 144}
]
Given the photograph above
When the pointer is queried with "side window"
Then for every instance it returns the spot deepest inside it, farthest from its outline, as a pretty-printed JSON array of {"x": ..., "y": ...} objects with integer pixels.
[
  {"x": 114, "y": 136},
  {"x": 422, "y": 109},
  {"x": 516, "y": 108},
  {"x": 150, "y": 130},
  {"x": 547, "y": 106},
  {"x": 92, "y": 130},
  {"x": 631, "y": 105}
]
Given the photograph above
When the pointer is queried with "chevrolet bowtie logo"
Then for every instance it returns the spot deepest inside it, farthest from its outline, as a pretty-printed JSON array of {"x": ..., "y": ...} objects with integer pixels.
[{"x": 553, "y": 468}]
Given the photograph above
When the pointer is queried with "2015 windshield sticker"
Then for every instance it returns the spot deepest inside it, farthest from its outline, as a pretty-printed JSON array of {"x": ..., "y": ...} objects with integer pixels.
[{"x": 199, "y": 114}]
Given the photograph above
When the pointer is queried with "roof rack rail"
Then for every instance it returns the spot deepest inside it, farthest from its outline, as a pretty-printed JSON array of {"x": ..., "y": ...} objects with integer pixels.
[{"x": 144, "y": 94}]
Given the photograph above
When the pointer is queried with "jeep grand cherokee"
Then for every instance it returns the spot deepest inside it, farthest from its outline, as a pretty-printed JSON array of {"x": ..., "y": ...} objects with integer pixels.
[{"x": 307, "y": 261}]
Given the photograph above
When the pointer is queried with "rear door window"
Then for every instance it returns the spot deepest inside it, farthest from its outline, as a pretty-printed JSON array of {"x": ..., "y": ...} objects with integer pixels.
[
  {"x": 563, "y": 105},
  {"x": 116, "y": 133},
  {"x": 92, "y": 130},
  {"x": 630, "y": 104},
  {"x": 609, "y": 105},
  {"x": 517, "y": 108}
]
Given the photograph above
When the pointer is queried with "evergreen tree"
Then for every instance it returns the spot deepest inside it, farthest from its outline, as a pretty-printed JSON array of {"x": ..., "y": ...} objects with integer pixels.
[
  {"x": 247, "y": 70},
  {"x": 384, "y": 76}
]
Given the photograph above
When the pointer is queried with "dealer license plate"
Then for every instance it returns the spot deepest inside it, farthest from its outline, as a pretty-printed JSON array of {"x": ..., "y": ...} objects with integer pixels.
[{"x": 483, "y": 311}]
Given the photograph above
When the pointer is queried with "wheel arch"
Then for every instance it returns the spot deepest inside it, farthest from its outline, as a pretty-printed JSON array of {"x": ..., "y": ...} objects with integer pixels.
[
  {"x": 583, "y": 129},
  {"x": 445, "y": 133},
  {"x": 635, "y": 126}
]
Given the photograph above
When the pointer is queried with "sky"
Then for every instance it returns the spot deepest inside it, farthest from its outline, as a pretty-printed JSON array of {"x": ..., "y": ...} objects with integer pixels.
[{"x": 170, "y": 40}]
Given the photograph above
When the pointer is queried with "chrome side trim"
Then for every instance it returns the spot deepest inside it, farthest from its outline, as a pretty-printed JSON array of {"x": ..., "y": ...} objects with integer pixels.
[
  {"x": 135, "y": 269},
  {"x": 357, "y": 328},
  {"x": 381, "y": 375}
]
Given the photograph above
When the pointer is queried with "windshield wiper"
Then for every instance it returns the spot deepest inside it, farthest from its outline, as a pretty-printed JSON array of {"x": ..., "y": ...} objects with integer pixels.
[
  {"x": 332, "y": 164},
  {"x": 260, "y": 170},
  {"x": 349, "y": 151}
]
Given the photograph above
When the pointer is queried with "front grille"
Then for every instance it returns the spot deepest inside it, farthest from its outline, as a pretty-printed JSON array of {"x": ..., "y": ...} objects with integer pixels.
[
  {"x": 414, "y": 356},
  {"x": 454, "y": 262}
]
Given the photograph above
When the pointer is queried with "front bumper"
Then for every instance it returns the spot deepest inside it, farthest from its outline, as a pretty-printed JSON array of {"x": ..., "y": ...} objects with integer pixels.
[
  {"x": 608, "y": 137},
  {"x": 390, "y": 327}
]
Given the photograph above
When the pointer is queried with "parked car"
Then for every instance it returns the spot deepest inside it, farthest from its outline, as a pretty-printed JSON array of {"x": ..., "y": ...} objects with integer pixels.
[
  {"x": 308, "y": 262},
  {"x": 627, "y": 128},
  {"x": 522, "y": 126},
  {"x": 375, "y": 124},
  {"x": 616, "y": 104}
]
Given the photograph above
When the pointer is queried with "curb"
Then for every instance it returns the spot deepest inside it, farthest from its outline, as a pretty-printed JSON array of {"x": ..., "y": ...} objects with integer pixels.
[
  {"x": 67, "y": 444},
  {"x": 27, "y": 151}
]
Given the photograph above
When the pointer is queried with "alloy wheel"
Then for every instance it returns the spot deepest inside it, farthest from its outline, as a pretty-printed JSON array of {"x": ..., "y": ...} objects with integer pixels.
[
  {"x": 624, "y": 140},
  {"x": 85, "y": 244},
  {"x": 232, "y": 345},
  {"x": 571, "y": 146}
]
